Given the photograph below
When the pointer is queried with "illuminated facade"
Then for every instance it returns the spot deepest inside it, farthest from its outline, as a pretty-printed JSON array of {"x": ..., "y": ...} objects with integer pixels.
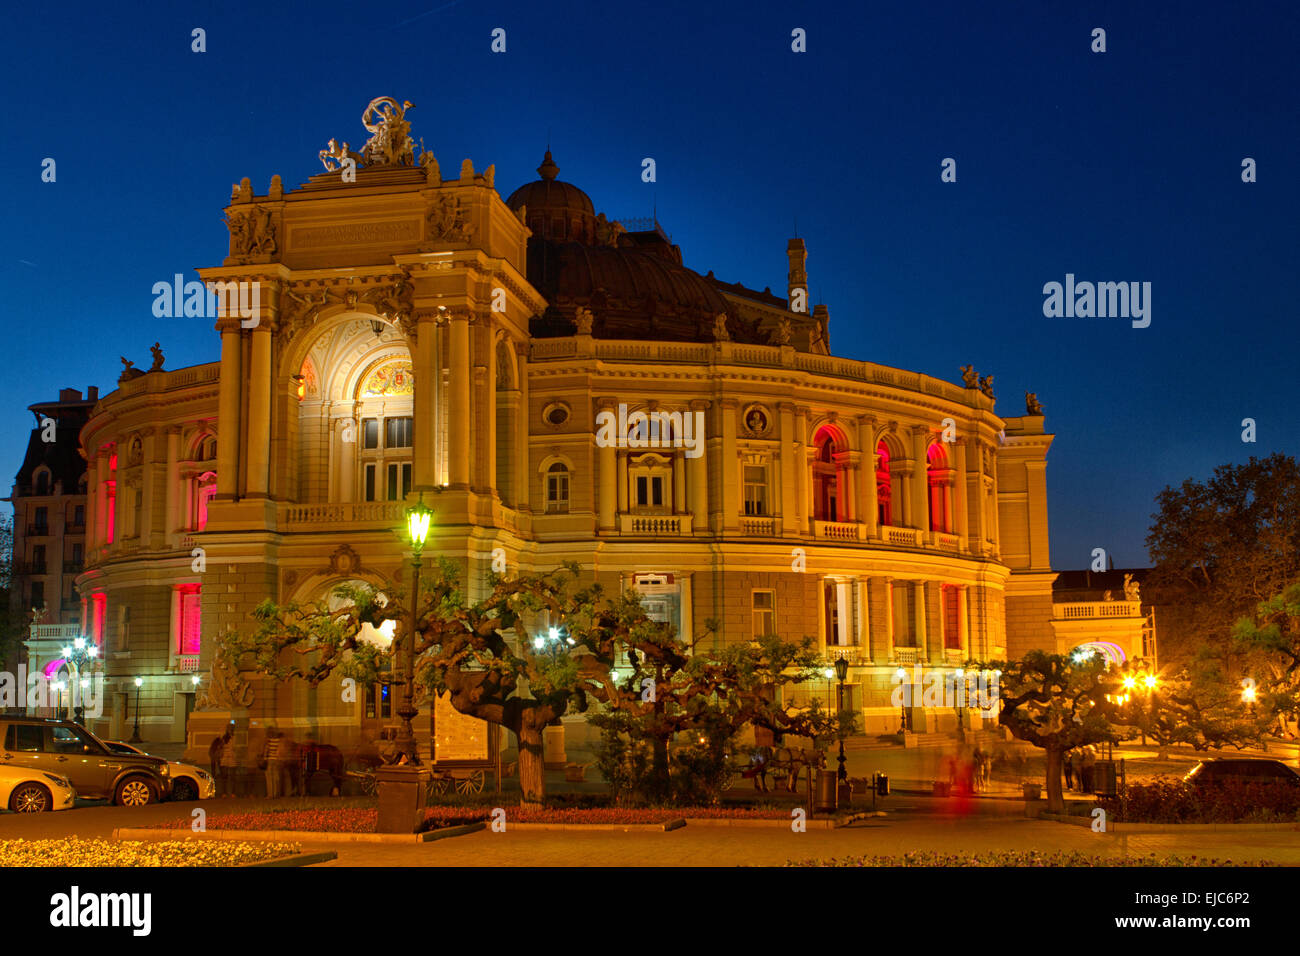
[{"x": 421, "y": 332}]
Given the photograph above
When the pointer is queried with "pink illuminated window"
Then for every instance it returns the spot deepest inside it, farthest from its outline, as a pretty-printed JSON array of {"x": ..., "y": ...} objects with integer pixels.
[
  {"x": 207, "y": 490},
  {"x": 190, "y": 619},
  {"x": 100, "y": 618},
  {"x": 884, "y": 486},
  {"x": 110, "y": 508}
]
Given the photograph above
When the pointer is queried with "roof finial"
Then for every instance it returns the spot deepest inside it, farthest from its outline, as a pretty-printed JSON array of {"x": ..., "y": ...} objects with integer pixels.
[{"x": 548, "y": 170}]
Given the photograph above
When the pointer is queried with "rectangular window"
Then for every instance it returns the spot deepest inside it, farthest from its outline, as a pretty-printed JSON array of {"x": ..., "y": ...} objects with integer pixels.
[
  {"x": 79, "y": 516},
  {"x": 370, "y": 433},
  {"x": 642, "y": 490},
  {"x": 78, "y": 555},
  {"x": 42, "y": 520},
  {"x": 190, "y": 630},
  {"x": 110, "y": 508},
  {"x": 398, "y": 432},
  {"x": 100, "y": 620},
  {"x": 657, "y": 491},
  {"x": 755, "y": 480},
  {"x": 557, "y": 491},
  {"x": 903, "y": 636},
  {"x": 764, "y": 603},
  {"x": 370, "y": 482},
  {"x": 38, "y": 559},
  {"x": 399, "y": 481},
  {"x": 951, "y": 633},
  {"x": 38, "y": 594}
]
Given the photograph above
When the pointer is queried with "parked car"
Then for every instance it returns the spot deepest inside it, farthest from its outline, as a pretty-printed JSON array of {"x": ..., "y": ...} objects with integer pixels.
[
  {"x": 66, "y": 749},
  {"x": 1217, "y": 770},
  {"x": 34, "y": 791},
  {"x": 188, "y": 781}
]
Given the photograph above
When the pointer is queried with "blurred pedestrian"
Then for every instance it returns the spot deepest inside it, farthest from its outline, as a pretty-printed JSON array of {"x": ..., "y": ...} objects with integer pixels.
[
  {"x": 273, "y": 761},
  {"x": 1069, "y": 769},
  {"x": 1089, "y": 763},
  {"x": 1076, "y": 768},
  {"x": 214, "y": 752},
  {"x": 229, "y": 764}
]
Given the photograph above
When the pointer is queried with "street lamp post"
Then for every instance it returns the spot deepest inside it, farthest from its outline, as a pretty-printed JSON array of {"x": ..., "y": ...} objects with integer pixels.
[
  {"x": 418, "y": 518},
  {"x": 401, "y": 786},
  {"x": 135, "y": 734},
  {"x": 78, "y": 654},
  {"x": 841, "y": 671}
]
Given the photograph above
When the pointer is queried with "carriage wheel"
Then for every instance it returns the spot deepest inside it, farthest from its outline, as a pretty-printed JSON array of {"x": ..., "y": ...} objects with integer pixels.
[
  {"x": 471, "y": 783},
  {"x": 728, "y": 780},
  {"x": 369, "y": 786}
]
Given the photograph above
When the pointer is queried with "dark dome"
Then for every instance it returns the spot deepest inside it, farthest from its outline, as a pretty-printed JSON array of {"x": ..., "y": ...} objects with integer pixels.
[{"x": 555, "y": 209}]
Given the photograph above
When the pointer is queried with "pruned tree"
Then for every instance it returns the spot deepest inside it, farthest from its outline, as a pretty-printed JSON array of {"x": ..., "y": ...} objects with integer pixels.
[
  {"x": 1271, "y": 639},
  {"x": 1058, "y": 703}
]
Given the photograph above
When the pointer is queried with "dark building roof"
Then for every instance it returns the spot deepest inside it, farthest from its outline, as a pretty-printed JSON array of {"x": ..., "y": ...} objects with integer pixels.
[
  {"x": 634, "y": 282},
  {"x": 1089, "y": 585},
  {"x": 62, "y": 456}
]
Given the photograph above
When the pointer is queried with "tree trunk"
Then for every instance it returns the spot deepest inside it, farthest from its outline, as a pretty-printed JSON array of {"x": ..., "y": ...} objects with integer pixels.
[
  {"x": 532, "y": 766},
  {"x": 1055, "y": 795}
]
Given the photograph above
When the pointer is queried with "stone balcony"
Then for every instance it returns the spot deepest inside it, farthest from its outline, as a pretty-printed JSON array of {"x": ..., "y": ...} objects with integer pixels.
[
  {"x": 1090, "y": 610},
  {"x": 375, "y": 515},
  {"x": 659, "y": 526}
]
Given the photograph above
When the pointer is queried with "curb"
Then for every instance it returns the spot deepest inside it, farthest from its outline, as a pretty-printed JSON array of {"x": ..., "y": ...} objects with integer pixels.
[
  {"x": 293, "y": 836},
  {"x": 622, "y": 827},
  {"x": 1173, "y": 827},
  {"x": 812, "y": 823},
  {"x": 300, "y": 859}
]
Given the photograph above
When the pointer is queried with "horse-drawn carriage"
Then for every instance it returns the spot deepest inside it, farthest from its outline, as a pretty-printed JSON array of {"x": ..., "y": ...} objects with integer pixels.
[{"x": 786, "y": 765}]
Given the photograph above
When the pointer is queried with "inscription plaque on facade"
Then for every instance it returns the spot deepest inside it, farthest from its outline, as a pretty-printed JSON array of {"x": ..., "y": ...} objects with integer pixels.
[
  {"x": 457, "y": 736},
  {"x": 352, "y": 233}
]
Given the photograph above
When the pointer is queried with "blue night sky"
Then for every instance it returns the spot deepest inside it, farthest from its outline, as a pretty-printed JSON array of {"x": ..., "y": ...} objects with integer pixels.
[{"x": 1122, "y": 166}]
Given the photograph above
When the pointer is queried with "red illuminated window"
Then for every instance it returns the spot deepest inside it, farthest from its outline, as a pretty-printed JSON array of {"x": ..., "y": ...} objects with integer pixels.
[
  {"x": 100, "y": 617},
  {"x": 951, "y": 626},
  {"x": 884, "y": 508},
  {"x": 189, "y": 629}
]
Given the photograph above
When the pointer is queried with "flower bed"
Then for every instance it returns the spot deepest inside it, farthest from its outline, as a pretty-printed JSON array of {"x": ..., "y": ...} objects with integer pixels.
[
  {"x": 1172, "y": 801},
  {"x": 1026, "y": 858},
  {"x": 364, "y": 819},
  {"x": 73, "y": 851}
]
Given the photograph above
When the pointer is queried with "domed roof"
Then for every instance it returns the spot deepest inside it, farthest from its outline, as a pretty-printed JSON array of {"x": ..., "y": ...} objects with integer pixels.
[{"x": 555, "y": 209}]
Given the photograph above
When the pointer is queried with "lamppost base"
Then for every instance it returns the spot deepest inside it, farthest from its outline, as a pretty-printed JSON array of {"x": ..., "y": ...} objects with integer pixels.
[{"x": 401, "y": 793}]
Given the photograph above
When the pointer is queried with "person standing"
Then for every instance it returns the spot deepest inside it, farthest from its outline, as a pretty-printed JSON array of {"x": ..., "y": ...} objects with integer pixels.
[
  {"x": 1089, "y": 762},
  {"x": 229, "y": 764},
  {"x": 1076, "y": 767},
  {"x": 273, "y": 754},
  {"x": 1068, "y": 767},
  {"x": 214, "y": 752}
]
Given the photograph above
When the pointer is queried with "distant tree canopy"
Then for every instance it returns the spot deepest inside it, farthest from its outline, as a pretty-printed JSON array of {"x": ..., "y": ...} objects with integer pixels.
[{"x": 1220, "y": 548}]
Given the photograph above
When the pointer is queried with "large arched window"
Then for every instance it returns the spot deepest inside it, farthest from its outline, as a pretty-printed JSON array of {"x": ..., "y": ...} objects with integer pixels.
[
  {"x": 884, "y": 486},
  {"x": 940, "y": 481},
  {"x": 830, "y": 488}
]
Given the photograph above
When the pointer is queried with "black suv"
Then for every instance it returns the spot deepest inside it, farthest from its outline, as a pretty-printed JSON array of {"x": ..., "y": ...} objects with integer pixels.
[
  {"x": 68, "y": 749},
  {"x": 1215, "y": 770}
]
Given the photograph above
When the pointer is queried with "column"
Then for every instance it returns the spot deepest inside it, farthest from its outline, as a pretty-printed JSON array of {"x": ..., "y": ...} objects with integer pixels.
[
  {"x": 962, "y": 524},
  {"x": 697, "y": 474},
  {"x": 975, "y": 500},
  {"x": 621, "y": 471},
  {"x": 229, "y": 401},
  {"x": 607, "y": 475},
  {"x": 488, "y": 482},
  {"x": 868, "y": 507},
  {"x": 963, "y": 622},
  {"x": 93, "y": 507},
  {"x": 679, "y": 483},
  {"x": 460, "y": 452},
  {"x": 523, "y": 467},
  {"x": 787, "y": 480},
  {"x": 920, "y": 477},
  {"x": 1036, "y": 481},
  {"x": 862, "y": 635},
  {"x": 148, "y": 479},
  {"x": 172, "y": 492},
  {"x": 348, "y": 467},
  {"x": 259, "y": 412},
  {"x": 918, "y": 615},
  {"x": 728, "y": 470},
  {"x": 424, "y": 401},
  {"x": 802, "y": 476},
  {"x": 848, "y": 467}
]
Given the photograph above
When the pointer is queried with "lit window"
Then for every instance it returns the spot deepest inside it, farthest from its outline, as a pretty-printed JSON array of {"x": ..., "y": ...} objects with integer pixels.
[
  {"x": 764, "y": 604},
  {"x": 755, "y": 489},
  {"x": 557, "y": 489},
  {"x": 189, "y": 622}
]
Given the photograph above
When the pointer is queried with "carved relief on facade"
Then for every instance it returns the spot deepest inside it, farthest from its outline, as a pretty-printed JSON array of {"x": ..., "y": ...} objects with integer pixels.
[{"x": 252, "y": 235}]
